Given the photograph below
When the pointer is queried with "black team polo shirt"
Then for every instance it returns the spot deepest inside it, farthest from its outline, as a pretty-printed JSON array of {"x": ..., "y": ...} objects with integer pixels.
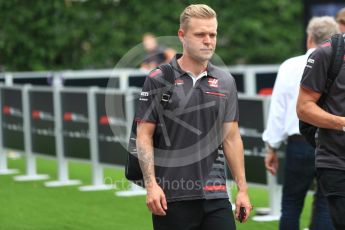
[
  {"x": 189, "y": 164},
  {"x": 330, "y": 149}
]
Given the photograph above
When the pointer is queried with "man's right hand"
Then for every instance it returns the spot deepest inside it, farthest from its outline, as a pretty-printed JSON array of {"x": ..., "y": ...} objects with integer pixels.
[
  {"x": 272, "y": 161},
  {"x": 155, "y": 199}
]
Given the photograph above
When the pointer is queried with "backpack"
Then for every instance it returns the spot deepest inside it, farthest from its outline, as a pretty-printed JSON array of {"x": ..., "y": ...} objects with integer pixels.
[
  {"x": 338, "y": 48},
  {"x": 132, "y": 167}
]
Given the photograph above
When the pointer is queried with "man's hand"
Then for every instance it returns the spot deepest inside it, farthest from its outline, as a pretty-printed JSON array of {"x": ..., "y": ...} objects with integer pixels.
[
  {"x": 272, "y": 161},
  {"x": 155, "y": 199},
  {"x": 242, "y": 200}
]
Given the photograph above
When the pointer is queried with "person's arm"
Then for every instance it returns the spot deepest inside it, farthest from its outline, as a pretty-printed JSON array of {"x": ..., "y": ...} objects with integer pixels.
[
  {"x": 274, "y": 133},
  {"x": 271, "y": 160},
  {"x": 233, "y": 151},
  {"x": 155, "y": 198},
  {"x": 309, "y": 111},
  {"x": 313, "y": 83}
]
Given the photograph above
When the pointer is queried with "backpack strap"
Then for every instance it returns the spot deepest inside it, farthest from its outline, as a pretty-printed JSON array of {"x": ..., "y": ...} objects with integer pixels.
[
  {"x": 168, "y": 73},
  {"x": 168, "y": 83},
  {"x": 132, "y": 168},
  {"x": 337, "y": 59},
  {"x": 169, "y": 78}
]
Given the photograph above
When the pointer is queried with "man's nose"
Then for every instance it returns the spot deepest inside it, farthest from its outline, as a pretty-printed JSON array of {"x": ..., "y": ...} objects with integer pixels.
[{"x": 207, "y": 39}]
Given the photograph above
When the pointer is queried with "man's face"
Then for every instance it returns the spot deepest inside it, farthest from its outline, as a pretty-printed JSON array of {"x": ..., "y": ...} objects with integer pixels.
[
  {"x": 342, "y": 26},
  {"x": 149, "y": 43},
  {"x": 199, "y": 38}
]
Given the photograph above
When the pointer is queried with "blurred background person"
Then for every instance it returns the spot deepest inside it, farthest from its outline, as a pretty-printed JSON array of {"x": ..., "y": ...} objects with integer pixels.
[
  {"x": 299, "y": 168},
  {"x": 341, "y": 19},
  {"x": 155, "y": 54}
]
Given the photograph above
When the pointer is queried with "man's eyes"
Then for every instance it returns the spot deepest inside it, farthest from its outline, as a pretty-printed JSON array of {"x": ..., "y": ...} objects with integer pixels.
[{"x": 203, "y": 35}]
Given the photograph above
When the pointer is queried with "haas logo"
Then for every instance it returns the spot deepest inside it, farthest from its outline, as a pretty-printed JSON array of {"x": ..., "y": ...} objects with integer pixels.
[{"x": 213, "y": 82}]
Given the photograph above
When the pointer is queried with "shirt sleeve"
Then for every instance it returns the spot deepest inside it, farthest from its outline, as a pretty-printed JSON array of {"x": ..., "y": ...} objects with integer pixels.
[
  {"x": 274, "y": 133},
  {"x": 231, "y": 107},
  {"x": 148, "y": 101},
  {"x": 315, "y": 72}
]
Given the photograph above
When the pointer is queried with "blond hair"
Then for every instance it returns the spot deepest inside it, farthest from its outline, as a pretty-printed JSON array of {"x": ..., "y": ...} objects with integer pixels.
[
  {"x": 322, "y": 28},
  {"x": 196, "y": 11}
]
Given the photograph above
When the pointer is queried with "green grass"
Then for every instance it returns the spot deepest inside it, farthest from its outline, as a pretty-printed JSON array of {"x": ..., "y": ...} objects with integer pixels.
[{"x": 31, "y": 206}]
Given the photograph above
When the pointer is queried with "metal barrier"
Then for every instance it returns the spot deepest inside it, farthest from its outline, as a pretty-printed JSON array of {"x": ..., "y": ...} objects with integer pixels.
[
  {"x": 250, "y": 79},
  {"x": 31, "y": 173},
  {"x": 74, "y": 123},
  {"x": 11, "y": 129}
]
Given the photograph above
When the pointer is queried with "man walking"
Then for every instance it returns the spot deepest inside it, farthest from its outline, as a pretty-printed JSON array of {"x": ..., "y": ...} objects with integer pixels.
[
  {"x": 330, "y": 136},
  {"x": 183, "y": 148}
]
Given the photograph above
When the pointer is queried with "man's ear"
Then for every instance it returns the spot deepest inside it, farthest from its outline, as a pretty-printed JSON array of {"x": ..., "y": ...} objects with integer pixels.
[
  {"x": 310, "y": 42},
  {"x": 181, "y": 34}
]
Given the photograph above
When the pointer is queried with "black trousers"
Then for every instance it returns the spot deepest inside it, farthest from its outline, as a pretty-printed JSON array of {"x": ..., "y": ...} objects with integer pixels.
[
  {"x": 332, "y": 183},
  {"x": 196, "y": 215}
]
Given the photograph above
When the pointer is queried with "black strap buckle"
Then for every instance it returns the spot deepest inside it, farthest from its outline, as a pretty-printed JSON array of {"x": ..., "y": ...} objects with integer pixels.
[{"x": 166, "y": 97}]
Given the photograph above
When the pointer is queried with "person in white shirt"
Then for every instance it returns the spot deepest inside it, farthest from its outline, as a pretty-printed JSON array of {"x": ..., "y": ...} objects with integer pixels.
[{"x": 283, "y": 125}]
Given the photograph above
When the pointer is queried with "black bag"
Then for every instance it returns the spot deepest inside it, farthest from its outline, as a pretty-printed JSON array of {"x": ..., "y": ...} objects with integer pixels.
[
  {"x": 132, "y": 168},
  {"x": 338, "y": 43}
]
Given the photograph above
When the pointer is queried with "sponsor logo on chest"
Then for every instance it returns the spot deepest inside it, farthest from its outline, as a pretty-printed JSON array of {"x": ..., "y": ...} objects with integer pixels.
[
  {"x": 179, "y": 82},
  {"x": 212, "y": 82}
]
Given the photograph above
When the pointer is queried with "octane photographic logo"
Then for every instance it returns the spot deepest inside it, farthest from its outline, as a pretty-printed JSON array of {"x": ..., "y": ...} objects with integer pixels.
[{"x": 126, "y": 109}]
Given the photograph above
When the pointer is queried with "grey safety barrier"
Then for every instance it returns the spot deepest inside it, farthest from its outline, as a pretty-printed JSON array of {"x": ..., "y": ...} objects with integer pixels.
[
  {"x": 66, "y": 123},
  {"x": 31, "y": 174},
  {"x": 249, "y": 78},
  {"x": 63, "y": 177},
  {"x": 11, "y": 130},
  {"x": 115, "y": 78},
  {"x": 106, "y": 144},
  {"x": 111, "y": 113},
  {"x": 112, "y": 124},
  {"x": 42, "y": 120},
  {"x": 97, "y": 169},
  {"x": 82, "y": 129},
  {"x": 40, "y": 137}
]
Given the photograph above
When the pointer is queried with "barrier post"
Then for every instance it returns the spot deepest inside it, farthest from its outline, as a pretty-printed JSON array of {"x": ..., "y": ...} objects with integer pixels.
[
  {"x": 123, "y": 81},
  {"x": 249, "y": 82},
  {"x": 3, "y": 164},
  {"x": 134, "y": 190},
  {"x": 8, "y": 79},
  {"x": 97, "y": 169},
  {"x": 63, "y": 179},
  {"x": 31, "y": 174},
  {"x": 272, "y": 213}
]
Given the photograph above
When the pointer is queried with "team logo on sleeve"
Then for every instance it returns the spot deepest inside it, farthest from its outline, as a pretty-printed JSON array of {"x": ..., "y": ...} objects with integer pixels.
[
  {"x": 144, "y": 96},
  {"x": 310, "y": 63},
  {"x": 155, "y": 73}
]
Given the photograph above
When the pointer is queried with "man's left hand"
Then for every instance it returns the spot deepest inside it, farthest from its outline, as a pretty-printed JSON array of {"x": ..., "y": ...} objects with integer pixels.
[{"x": 242, "y": 200}]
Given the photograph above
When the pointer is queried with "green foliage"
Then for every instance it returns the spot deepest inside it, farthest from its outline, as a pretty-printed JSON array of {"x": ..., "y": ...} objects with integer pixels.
[{"x": 57, "y": 34}]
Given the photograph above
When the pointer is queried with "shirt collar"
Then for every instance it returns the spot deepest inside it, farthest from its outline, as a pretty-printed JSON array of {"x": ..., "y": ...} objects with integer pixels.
[
  {"x": 310, "y": 51},
  {"x": 210, "y": 69}
]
